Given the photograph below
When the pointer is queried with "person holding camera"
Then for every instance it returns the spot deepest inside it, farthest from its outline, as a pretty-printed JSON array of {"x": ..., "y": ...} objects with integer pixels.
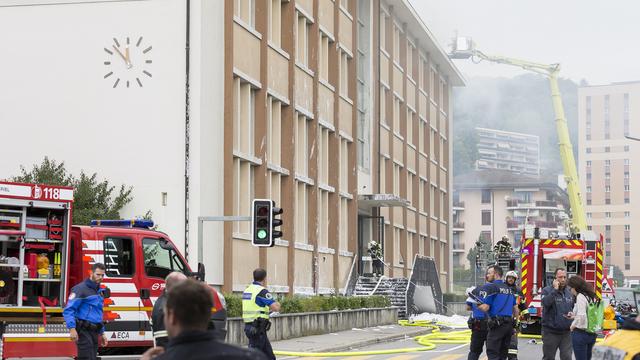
[
  {"x": 499, "y": 302},
  {"x": 477, "y": 323}
]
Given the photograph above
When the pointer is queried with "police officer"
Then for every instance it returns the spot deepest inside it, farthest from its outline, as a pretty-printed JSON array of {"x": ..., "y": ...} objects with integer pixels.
[
  {"x": 83, "y": 314},
  {"x": 256, "y": 303},
  {"x": 511, "y": 279},
  {"x": 499, "y": 302},
  {"x": 477, "y": 323}
]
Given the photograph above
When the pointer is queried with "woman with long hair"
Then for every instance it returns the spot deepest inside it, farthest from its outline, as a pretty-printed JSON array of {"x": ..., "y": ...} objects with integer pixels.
[{"x": 582, "y": 339}]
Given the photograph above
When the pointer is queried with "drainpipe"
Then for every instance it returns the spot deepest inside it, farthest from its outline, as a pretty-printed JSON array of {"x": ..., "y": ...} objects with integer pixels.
[{"x": 186, "y": 134}]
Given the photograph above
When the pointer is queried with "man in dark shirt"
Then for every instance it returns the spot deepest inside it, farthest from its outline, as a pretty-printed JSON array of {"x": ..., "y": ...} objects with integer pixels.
[
  {"x": 557, "y": 302},
  {"x": 186, "y": 317}
]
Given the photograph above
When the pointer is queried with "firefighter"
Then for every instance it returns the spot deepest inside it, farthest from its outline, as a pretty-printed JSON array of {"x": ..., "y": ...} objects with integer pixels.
[
  {"x": 256, "y": 303},
  {"x": 503, "y": 246},
  {"x": 83, "y": 314},
  {"x": 511, "y": 279},
  {"x": 160, "y": 335},
  {"x": 625, "y": 341},
  {"x": 499, "y": 302}
]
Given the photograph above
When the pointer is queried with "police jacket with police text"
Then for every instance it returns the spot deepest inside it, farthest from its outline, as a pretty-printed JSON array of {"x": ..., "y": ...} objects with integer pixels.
[
  {"x": 157, "y": 321},
  {"x": 500, "y": 298},
  {"x": 85, "y": 302}
]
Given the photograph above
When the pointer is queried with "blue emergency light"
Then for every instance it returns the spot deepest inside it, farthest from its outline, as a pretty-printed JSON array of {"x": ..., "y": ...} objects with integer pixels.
[{"x": 137, "y": 223}]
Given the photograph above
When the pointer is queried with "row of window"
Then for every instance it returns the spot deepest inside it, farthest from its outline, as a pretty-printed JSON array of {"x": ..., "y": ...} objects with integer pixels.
[{"x": 607, "y": 188}]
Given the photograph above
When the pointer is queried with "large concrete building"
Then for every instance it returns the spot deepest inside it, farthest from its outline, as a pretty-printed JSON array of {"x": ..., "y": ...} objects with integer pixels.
[
  {"x": 488, "y": 204},
  {"x": 340, "y": 111},
  {"x": 511, "y": 151},
  {"x": 607, "y": 164}
]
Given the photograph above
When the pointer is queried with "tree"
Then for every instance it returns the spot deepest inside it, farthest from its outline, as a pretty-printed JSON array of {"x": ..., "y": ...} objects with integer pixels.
[{"x": 93, "y": 199}]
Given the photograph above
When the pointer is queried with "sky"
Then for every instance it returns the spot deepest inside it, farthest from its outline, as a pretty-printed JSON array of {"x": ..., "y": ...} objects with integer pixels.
[{"x": 592, "y": 40}]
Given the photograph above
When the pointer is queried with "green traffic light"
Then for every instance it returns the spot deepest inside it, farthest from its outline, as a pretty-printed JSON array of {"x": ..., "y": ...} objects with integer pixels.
[{"x": 262, "y": 234}]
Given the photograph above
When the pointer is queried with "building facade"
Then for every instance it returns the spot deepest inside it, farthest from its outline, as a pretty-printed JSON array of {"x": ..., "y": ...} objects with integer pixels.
[
  {"x": 511, "y": 151},
  {"x": 488, "y": 204},
  {"x": 607, "y": 162},
  {"x": 337, "y": 110}
]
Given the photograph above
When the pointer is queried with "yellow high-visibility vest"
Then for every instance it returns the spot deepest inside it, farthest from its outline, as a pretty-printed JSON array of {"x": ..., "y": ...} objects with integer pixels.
[{"x": 251, "y": 310}]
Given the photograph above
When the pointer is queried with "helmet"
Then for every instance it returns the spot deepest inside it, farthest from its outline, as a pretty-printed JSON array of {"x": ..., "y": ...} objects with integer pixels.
[
  {"x": 512, "y": 273},
  {"x": 505, "y": 238}
]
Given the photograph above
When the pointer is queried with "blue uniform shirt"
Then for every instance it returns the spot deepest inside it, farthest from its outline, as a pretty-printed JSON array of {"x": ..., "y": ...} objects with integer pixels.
[
  {"x": 85, "y": 303},
  {"x": 476, "y": 313},
  {"x": 264, "y": 297},
  {"x": 499, "y": 297}
]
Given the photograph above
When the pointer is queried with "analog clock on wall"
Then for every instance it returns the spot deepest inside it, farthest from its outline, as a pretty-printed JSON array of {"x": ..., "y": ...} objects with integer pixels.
[{"x": 128, "y": 62}]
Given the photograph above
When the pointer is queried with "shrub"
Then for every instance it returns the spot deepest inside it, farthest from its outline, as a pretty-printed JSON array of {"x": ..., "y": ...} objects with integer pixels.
[{"x": 301, "y": 304}]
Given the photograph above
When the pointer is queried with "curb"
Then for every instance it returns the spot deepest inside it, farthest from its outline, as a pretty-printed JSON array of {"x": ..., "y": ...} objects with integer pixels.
[{"x": 364, "y": 343}]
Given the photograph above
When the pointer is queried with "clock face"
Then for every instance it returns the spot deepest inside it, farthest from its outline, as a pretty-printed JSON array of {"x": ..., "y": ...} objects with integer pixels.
[{"x": 128, "y": 62}]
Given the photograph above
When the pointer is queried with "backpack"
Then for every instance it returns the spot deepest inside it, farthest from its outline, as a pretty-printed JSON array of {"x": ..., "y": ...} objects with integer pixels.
[{"x": 595, "y": 316}]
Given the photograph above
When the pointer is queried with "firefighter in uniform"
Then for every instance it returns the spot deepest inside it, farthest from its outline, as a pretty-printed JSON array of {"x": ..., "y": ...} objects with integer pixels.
[
  {"x": 503, "y": 246},
  {"x": 623, "y": 345},
  {"x": 83, "y": 314},
  {"x": 511, "y": 279},
  {"x": 499, "y": 302},
  {"x": 256, "y": 303}
]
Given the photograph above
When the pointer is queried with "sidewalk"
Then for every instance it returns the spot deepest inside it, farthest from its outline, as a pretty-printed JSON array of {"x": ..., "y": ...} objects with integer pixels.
[{"x": 345, "y": 340}]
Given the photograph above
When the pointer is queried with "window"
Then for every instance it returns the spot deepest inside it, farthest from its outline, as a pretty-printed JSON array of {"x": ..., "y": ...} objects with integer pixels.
[
  {"x": 410, "y": 177},
  {"x": 588, "y": 150},
  {"x": 397, "y": 254},
  {"x": 302, "y": 145},
  {"x": 588, "y": 189},
  {"x": 323, "y": 54},
  {"x": 344, "y": 165},
  {"x": 627, "y": 227},
  {"x": 302, "y": 41},
  {"x": 243, "y": 117},
  {"x": 588, "y": 201},
  {"x": 626, "y": 200},
  {"x": 607, "y": 227},
  {"x": 323, "y": 218},
  {"x": 627, "y": 240},
  {"x": 607, "y": 214},
  {"x": 588, "y": 136},
  {"x": 589, "y": 163},
  {"x": 607, "y": 189},
  {"x": 627, "y": 253},
  {"x": 410, "y": 127},
  {"x": 396, "y": 179},
  {"x": 607, "y": 149},
  {"x": 607, "y": 163},
  {"x": 344, "y": 224},
  {"x": 421, "y": 131},
  {"x": 607, "y": 176},
  {"x": 245, "y": 10},
  {"x": 486, "y": 196},
  {"x": 323, "y": 155},
  {"x": 409, "y": 67},
  {"x": 627, "y": 266},
  {"x": 274, "y": 130},
  {"x": 626, "y": 188},
  {"x": 383, "y": 31},
  {"x": 607, "y": 240},
  {"x": 588, "y": 176},
  {"x": 607, "y": 201},
  {"x": 627, "y": 214},
  {"x": 486, "y": 217},
  {"x": 243, "y": 177},
  {"x": 383, "y": 105},
  {"x": 344, "y": 74},
  {"x": 275, "y": 22},
  {"x": 626, "y": 161},
  {"x": 589, "y": 227},
  {"x": 588, "y": 215},
  {"x": 301, "y": 213},
  {"x": 626, "y": 174},
  {"x": 118, "y": 257},
  {"x": 432, "y": 200},
  {"x": 396, "y": 44},
  {"x": 626, "y": 148},
  {"x": 160, "y": 258},
  {"x": 396, "y": 115},
  {"x": 421, "y": 195}
]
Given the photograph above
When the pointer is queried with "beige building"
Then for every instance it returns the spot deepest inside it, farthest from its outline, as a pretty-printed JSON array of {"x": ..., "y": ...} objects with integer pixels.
[
  {"x": 607, "y": 161},
  {"x": 340, "y": 112},
  {"x": 488, "y": 204}
]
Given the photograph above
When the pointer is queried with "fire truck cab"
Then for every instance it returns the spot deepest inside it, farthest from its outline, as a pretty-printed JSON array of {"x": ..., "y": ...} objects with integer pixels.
[
  {"x": 542, "y": 255},
  {"x": 42, "y": 256}
]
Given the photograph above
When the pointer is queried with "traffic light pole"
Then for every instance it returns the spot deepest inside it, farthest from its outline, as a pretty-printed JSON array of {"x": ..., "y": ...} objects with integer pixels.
[{"x": 202, "y": 219}]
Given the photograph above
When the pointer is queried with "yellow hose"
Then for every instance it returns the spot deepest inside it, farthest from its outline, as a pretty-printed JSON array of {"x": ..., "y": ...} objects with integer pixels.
[{"x": 427, "y": 341}]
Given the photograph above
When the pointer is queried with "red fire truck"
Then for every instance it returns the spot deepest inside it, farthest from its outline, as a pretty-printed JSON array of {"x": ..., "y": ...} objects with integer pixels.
[
  {"x": 540, "y": 255},
  {"x": 43, "y": 255}
]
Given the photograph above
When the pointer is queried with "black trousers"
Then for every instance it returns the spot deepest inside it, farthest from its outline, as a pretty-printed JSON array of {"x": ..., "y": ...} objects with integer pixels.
[
  {"x": 478, "y": 338},
  {"x": 87, "y": 344},
  {"x": 513, "y": 346},
  {"x": 259, "y": 340},
  {"x": 498, "y": 340}
]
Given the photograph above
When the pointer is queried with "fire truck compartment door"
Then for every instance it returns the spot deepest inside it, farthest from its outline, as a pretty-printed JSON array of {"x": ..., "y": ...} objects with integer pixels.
[{"x": 563, "y": 254}]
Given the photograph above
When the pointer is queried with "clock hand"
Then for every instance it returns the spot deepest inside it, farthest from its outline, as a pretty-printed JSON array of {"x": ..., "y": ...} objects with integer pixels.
[
  {"x": 128, "y": 59},
  {"x": 120, "y": 53}
]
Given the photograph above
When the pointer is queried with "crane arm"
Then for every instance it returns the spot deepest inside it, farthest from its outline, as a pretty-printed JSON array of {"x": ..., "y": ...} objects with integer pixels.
[{"x": 578, "y": 214}]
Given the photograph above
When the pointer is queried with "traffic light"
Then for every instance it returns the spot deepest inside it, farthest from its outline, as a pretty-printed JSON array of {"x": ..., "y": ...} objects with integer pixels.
[{"x": 264, "y": 224}]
